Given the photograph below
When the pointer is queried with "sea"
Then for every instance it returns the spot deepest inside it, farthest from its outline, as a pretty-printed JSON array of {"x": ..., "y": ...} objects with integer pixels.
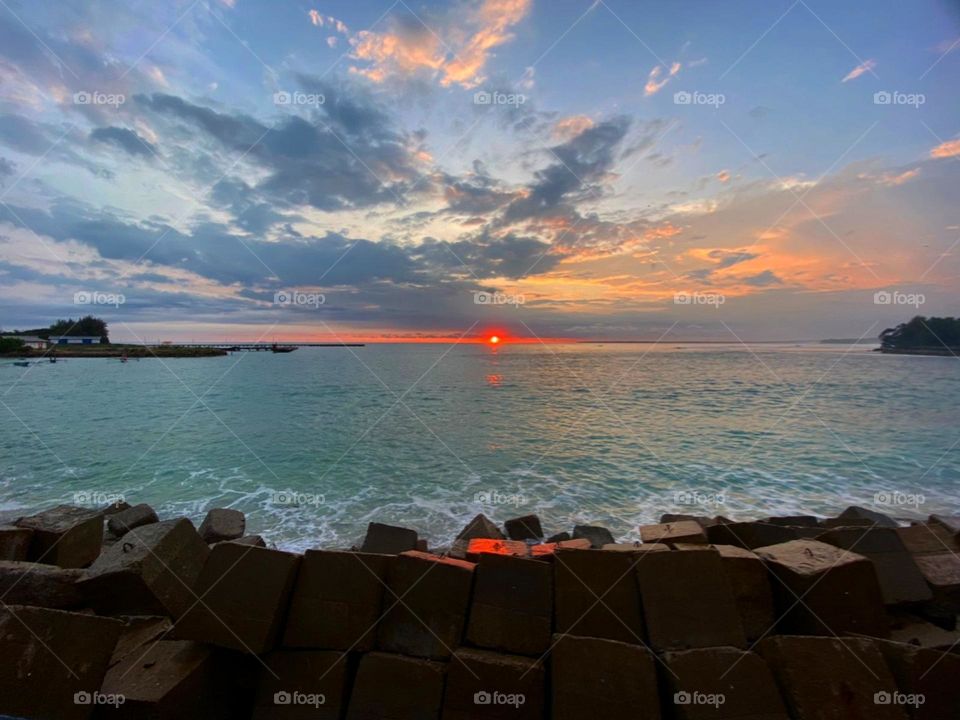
[{"x": 315, "y": 444}]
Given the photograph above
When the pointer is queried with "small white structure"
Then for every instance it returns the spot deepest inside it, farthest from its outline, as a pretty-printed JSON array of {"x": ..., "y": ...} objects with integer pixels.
[
  {"x": 75, "y": 339},
  {"x": 30, "y": 341}
]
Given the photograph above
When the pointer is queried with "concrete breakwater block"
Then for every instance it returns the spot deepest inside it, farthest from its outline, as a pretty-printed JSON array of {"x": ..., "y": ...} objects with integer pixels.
[
  {"x": 396, "y": 687},
  {"x": 242, "y": 592},
  {"x": 483, "y": 684},
  {"x": 53, "y": 661},
  {"x": 612, "y": 680},
  {"x": 122, "y": 522},
  {"x": 750, "y": 583},
  {"x": 900, "y": 579},
  {"x": 480, "y": 527},
  {"x": 928, "y": 677},
  {"x": 15, "y": 542},
  {"x": 425, "y": 606},
  {"x": 682, "y": 531},
  {"x": 824, "y": 590},
  {"x": 296, "y": 684},
  {"x": 876, "y": 519},
  {"x": 545, "y": 551},
  {"x": 40, "y": 585},
  {"x": 723, "y": 683},
  {"x": 596, "y": 593},
  {"x": 222, "y": 524},
  {"x": 752, "y": 535},
  {"x": 598, "y": 536},
  {"x": 337, "y": 600},
  {"x": 388, "y": 539},
  {"x": 832, "y": 678},
  {"x": 687, "y": 600},
  {"x": 511, "y": 609},
  {"x": 65, "y": 535},
  {"x": 482, "y": 546},
  {"x": 524, "y": 528},
  {"x": 152, "y": 570}
]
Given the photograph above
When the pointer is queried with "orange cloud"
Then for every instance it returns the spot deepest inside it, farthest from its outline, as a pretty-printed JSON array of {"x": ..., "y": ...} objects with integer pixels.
[
  {"x": 950, "y": 148},
  {"x": 723, "y": 176},
  {"x": 866, "y": 66},
  {"x": 569, "y": 127},
  {"x": 657, "y": 79}
]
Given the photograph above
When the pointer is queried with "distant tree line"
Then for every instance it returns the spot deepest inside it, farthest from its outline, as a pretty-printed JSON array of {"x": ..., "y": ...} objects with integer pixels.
[
  {"x": 89, "y": 326},
  {"x": 922, "y": 332}
]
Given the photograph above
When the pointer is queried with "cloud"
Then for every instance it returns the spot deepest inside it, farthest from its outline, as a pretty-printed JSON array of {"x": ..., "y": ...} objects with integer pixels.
[
  {"x": 658, "y": 77},
  {"x": 571, "y": 126},
  {"x": 454, "y": 47},
  {"x": 950, "y": 148},
  {"x": 723, "y": 176},
  {"x": 866, "y": 66},
  {"x": 126, "y": 140}
]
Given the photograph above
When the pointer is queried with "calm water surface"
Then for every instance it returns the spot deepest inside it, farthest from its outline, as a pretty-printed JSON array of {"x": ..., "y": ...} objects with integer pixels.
[{"x": 315, "y": 444}]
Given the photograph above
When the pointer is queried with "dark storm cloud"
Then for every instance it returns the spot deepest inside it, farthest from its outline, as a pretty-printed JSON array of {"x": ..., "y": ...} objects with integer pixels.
[{"x": 126, "y": 140}]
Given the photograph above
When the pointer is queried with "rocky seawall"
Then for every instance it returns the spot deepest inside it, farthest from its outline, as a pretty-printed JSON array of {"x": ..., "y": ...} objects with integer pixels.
[{"x": 115, "y": 613}]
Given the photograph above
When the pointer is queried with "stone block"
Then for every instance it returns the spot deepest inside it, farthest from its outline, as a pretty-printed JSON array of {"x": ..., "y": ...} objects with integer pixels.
[
  {"x": 152, "y": 570},
  {"x": 139, "y": 632},
  {"x": 122, "y": 522},
  {"x": 596, "y": 593},
  {"x": 244, "y": 591},
  {"x": 483, "y": 684},
  {"x": 511, "y": 608},
  {"x": 900, "y": 579},
  {"x": 395, "y": 687},
  {"x": 794, "y": 520},
  {"x": 39, "y": 585},
  {"x": 598, "y": 536},
  {"x": 67, "y": 536},
  {"x": 480, "y": 527},
  {"x": 950, "y": 523},
  {"x": 683, "y": 531},
  {"x": 878, "y": 519},
  {"x": 602, "y": 678},
  {"x": 302, "y": 685},
  {"x": 545, "y": 551},
  {"x": 15, "y": 543},
  {"x": 723, "y": 683},
  {"x": 222, "y": 524},
  {"x": 388, "y": 539},
  {"x": 524, "y": 528},
  {"x": 926, "y": 680},
  {"x": 559, "y": 537},
  {"x": 336, "y": 601},
  {"x": 750, "y": 535},
  {"x": 924, "y": 539},
  {"x": 750, "y": 583},
  {"x": 687, "y": 601},
  {"x": 53, "y": 661},
  {"x": 425, "y": 605},
  {"x": 838, "y": 590},
  {"x": 827, "y": 678},
  {"x": 482, "y": 546}
]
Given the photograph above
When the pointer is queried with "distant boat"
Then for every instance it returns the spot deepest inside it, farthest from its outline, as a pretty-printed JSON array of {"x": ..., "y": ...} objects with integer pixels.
[{"x": 282, "y": 348}]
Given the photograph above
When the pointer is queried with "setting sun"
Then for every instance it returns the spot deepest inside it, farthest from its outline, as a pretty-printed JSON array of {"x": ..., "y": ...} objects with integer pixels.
[{"x": 494, "y": 339}]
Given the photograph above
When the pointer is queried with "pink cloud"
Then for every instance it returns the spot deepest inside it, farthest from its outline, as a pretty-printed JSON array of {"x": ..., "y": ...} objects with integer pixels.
[{"x": 866, "y": 66}]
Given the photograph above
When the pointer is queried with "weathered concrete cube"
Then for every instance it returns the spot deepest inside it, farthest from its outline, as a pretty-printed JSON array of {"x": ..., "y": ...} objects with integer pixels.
[
  {"x": 244, "y": 591},
  {"x": 750, "y": 535},
  {"x": 950, "y": 523},
  {"x": 900, "y": 579},
  {"x": 838, "y": 589},
  {"x": 913, "y": 630},
  {"x": 480, "y": 527},
  {"x": 942, "y": 572},
  {"x": 174, "y": 679},
  {"x": 512, "y": 605},
  {"x": 683, "y": 531},
  {"x": 930, "y": 538},
  {"x": 545, "y": 551},
  {"x": 15, "y": 542},
  {"x": 794, "y": 520},
  {"x": 612, "y": 680},
  {"x": 483, "y": 684},
  {"x": 723, "y": 683},
  {"x": 395, "y": 687},
  {"x": 120, "y": 523},
  {"x": 139, "y": 632},
  {"x": 926, "y": 679},
  {"x": 336, "y": 601},
  {"x": 877, "y": 519},
  {"x": 481, "y": 546},
  {"x": 596, "y": 593},
  {"x": 39, "y": 585},
  {"x": 750, "y": 583},
  {"x": 53, "y": 661},
  {"x": 687, "y": 601},
  {"x": 831, "y": 678},
  {"x": 598, "y": 536},
  {"x": 152, "y": 570},
  {"x": 302, "y": 684},
  {"x": 67, "y": 536},
  {"x": 524, "y": 528},
  {"x": 425, "y": 605},
  {"x": 223, "y": 524},
  {"x": 388, "y": 539}
]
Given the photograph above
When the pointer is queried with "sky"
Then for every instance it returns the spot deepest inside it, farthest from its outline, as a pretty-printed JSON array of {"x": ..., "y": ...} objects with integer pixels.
[{"x": 208, "y": 170}]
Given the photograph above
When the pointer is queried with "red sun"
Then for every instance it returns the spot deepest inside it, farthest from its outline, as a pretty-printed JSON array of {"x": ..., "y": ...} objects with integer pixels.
[{"x": 494, "y": 339}]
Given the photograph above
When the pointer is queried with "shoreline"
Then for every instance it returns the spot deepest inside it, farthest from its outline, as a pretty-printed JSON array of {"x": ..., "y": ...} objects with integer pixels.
[
  {"x": 931, "y": 351},
  {"x": 115, "y": 351}
]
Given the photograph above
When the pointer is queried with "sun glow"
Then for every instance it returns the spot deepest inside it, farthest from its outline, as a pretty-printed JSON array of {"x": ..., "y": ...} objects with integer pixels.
[{"x": 494, "y": 339}]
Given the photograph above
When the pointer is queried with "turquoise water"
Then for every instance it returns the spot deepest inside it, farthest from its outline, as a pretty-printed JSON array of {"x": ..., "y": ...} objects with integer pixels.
[{"x": 314, "y": 444}]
